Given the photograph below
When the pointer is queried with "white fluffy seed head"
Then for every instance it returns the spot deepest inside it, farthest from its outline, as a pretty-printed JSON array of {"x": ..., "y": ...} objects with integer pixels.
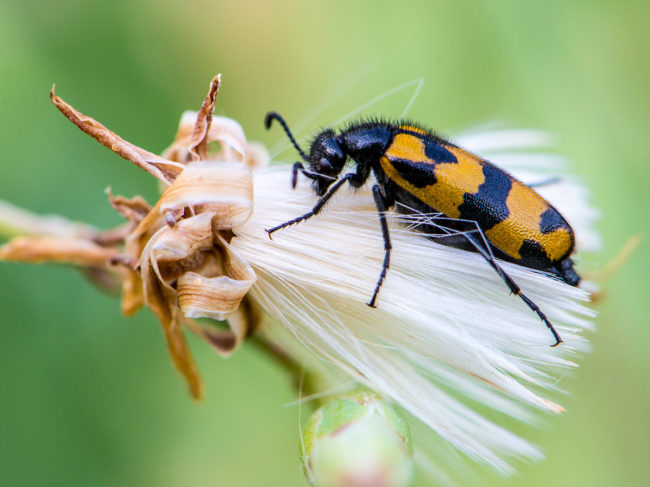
[{"x": 445, "y": 327}]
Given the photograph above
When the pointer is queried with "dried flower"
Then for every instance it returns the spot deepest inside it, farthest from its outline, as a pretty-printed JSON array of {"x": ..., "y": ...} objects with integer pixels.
[{"x": 175, "y": 257}]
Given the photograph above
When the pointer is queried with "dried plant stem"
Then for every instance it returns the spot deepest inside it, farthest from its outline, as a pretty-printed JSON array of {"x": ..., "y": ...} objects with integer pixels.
[{"x": 15, "y": 221}]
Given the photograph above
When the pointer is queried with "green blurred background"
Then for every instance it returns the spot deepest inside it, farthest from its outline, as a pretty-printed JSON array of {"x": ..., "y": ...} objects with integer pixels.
[{"x": 89, "y": 397}]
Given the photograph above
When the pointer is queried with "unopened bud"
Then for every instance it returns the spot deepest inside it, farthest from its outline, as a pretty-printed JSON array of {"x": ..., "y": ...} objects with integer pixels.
[{"x": 357, "y": 440}]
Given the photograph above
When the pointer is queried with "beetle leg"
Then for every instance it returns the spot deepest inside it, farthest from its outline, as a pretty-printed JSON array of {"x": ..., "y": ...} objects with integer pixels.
[
  {"x": 317, "y": 207},
  {"x": 360, "y": 176},
  {"x": 380, "y": 202},
  {"x": 512, "y": 285}
]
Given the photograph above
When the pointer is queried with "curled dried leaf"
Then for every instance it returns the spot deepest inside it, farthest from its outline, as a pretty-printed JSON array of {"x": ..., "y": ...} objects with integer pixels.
[
  {"x": 210, "y": 297},
  {"x": 184, "y": 239},
  {"x": 216, "y": 297}
]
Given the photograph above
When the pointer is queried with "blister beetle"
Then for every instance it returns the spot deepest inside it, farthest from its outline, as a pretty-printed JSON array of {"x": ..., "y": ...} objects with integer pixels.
[{"x": 426, "y": 174}]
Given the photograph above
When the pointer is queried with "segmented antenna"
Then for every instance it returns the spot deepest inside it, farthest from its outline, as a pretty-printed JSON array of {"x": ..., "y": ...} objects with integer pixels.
[{"x": 276, "y": 116}]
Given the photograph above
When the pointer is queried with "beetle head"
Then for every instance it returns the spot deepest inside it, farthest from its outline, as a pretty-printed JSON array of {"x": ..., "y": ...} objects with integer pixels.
[{"x": 326, "y": 160}]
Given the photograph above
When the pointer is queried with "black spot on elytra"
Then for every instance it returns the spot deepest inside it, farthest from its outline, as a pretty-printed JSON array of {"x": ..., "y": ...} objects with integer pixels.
[
  {"x": 488, "y": 206},
  {"x": 437, "y": 152},
  {"x": 419, "y": 174},
  {"x": 551, "y": 220},
  {"x": 533, "y": 255}
]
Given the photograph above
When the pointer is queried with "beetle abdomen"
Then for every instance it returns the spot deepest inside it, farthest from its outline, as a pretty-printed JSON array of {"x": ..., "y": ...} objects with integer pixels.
[{"x": 452, "y": 181}]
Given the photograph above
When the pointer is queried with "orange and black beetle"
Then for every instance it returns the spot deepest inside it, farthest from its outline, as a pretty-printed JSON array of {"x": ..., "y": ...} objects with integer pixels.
[{"x": 491, "y": 212}]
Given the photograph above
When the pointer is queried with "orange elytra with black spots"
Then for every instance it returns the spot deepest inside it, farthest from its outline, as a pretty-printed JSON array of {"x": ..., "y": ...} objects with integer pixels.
[{"x": 470, "y": 203}]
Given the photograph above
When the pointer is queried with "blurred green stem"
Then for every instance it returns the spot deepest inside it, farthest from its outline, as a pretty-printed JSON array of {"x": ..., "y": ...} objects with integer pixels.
[{"x": 303, "y": 380}]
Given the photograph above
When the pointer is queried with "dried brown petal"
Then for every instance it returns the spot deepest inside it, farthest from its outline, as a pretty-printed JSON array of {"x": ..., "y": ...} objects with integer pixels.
[
  {"x": 181, "y": 356},
  {"x": 132, "y": 209},
  {"x": 243, "y": 322},
  {"x": 210, "y": 297},
  {"x": 224, "y": 342},
  {"x": 230, "y": 136},
  {"x": 153, "y": 164},
  {"x": 225, "y": 131},
  {"x": 223, "y": 188},
  {"x": 199, "y": 141},
  {"x": 247, "y": 319},
  {"x": 132, "y": 292},
  {"x": 148, "y": 226},
  {"x": 187, "y": 237},
  {"x": 216, "y": 297},
  {"x": 161, "y": 298}
]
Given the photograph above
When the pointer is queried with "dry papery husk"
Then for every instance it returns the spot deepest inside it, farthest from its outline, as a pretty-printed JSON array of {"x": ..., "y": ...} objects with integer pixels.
[{"x": 174, "y": 257}]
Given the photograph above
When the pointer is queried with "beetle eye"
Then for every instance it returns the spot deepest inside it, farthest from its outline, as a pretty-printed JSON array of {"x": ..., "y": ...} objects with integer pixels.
[{"x": 324, "y": 166}]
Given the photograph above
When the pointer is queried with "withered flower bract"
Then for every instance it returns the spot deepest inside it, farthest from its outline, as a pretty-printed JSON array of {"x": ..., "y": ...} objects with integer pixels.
[{"x": 174, "y": 257}]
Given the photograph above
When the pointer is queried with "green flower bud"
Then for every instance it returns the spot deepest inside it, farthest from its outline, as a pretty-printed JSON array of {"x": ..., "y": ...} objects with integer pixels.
[{"x": 357, "y": 440}]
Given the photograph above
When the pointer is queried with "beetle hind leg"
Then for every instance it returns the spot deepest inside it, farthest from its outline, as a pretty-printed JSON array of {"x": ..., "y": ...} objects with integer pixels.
[{"x": 512, "y": 285}]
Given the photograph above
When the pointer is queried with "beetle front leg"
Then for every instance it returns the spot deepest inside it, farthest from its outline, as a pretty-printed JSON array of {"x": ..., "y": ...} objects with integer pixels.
[{"x": 316, "y": 209}]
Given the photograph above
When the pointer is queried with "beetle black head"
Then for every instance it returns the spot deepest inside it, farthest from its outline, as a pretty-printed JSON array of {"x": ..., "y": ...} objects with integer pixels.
[
  {"x": 326, "y": 160},
  {"x": 326, "y": 157}
]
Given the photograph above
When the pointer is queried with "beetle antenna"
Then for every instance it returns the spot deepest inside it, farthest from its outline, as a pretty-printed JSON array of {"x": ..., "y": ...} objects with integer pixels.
[{"x": 276, "y": 116}]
